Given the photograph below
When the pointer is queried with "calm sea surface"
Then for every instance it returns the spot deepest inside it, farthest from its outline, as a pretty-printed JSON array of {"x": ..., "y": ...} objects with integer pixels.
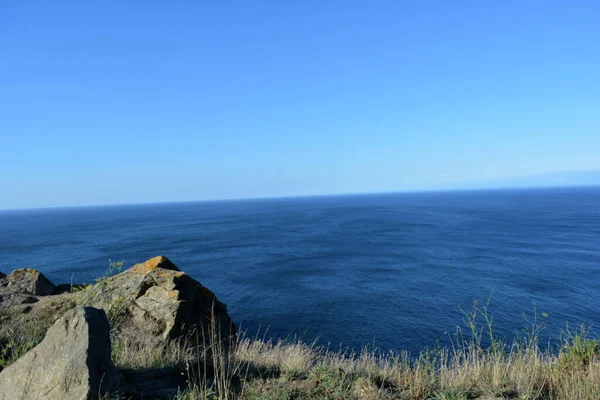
[{"x": 390, "y": 270}]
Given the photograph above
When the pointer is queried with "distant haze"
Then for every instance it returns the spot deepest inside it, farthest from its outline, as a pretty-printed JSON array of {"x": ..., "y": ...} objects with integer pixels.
[{"x": 551, "y": 179}]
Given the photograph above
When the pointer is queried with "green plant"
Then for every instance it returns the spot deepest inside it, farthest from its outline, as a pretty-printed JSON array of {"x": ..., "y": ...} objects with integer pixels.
[
  {"x": 91, "y": 294},
  {"x": 114, "y": 267},
  {"x": 578, "y": 349},
  {"x": 481, "y": 334},
  {"x": 451, "y": 394}
]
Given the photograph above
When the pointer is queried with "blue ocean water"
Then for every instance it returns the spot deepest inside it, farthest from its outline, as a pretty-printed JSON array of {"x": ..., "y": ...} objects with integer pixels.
[{"x": 389, "y": 270}]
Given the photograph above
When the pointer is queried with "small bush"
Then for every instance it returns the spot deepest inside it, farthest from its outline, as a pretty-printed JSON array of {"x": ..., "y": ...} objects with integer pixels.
[{"x": 578, "y": 350}]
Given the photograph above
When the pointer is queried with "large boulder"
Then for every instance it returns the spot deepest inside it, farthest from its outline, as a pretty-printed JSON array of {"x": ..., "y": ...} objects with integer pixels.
[
  {"x": 73, "y": 362},
  {"x": 26, "y": 281},
  {"x": 156, "y": 299}
]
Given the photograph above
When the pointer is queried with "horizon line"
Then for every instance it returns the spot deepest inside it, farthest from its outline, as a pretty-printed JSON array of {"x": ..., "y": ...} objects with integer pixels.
[{"x": 305, "y": 196}]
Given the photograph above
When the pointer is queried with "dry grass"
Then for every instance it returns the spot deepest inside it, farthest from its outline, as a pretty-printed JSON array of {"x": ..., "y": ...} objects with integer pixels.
[
  {"x": 475, "y": 364},
  {"x": 17, "y": 336},
  {"x": 468, "y": 369},
  {"x": 24, "y": 327},
  {"x": 296, "y": 370},
  {"x": 129, "y": 354},
  {"x": 290, "y": 358}
]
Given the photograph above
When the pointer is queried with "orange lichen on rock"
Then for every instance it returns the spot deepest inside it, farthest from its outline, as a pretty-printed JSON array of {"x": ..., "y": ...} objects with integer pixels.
[{"x": 152, "y": 265}]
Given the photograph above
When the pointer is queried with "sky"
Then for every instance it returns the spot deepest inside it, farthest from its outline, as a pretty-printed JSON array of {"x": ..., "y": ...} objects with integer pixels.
[{"x": 109, "y": 102}]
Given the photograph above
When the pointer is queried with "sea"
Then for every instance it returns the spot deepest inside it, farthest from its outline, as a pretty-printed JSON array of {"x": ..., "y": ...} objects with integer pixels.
[{"x": 395, "y": 272}]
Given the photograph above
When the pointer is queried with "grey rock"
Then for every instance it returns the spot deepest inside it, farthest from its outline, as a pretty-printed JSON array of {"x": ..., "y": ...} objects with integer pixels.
[
  {"x": 155, "y": 298},
  {"x": 26, "y": 280},
  {"x": 15, "y": 299},
  {"x": 72, "y": 362}
]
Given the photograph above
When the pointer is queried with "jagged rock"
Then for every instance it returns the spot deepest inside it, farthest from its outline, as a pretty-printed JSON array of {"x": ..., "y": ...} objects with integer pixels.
[
  {"x": 2, "y": 275},
  {"x": 15, "y": 299},
  {"x": 155, "y": 298},
  {"x": 72, "y": 362},
  {"x": 26, "y": 280}
]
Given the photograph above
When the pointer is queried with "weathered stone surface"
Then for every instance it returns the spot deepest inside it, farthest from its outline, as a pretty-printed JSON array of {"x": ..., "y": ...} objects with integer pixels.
[
  {"x": 26, "y": 280},
  {"x": 15, "y": 299},
  {"x": 157, "y": 299},
  {"x": 72, "y": 363}
]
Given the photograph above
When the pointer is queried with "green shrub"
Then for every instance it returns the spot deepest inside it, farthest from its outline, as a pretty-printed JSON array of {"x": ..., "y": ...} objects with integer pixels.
[{"x": 578, "y": 349}]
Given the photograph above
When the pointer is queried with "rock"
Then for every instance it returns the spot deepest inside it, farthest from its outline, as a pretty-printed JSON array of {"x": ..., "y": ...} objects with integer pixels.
[
  {"x": 155, "y": 298},
  {"x": 72, "y": 362},
  {"x": 2, "y": 275},
  {"x": 15, "y": 299},
  {"x": 26, "y": 280}
]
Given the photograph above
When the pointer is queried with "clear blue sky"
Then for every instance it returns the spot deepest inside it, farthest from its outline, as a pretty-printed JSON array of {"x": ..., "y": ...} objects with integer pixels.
[{"x": 146, "y": 101}]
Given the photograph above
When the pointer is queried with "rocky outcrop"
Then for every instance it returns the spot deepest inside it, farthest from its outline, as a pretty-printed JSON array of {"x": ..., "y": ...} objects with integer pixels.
[
  {"x": 156, "y": 298},
  {"x": 72, "y": 362},
  {"x": 26, "y": 281},
  {"x": 146, "y": 310},
  {"x": 2, "y": 275}
]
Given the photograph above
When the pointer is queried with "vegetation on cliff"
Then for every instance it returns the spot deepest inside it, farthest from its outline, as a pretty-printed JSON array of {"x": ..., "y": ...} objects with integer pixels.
[{"x": 200, "y": 364}]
